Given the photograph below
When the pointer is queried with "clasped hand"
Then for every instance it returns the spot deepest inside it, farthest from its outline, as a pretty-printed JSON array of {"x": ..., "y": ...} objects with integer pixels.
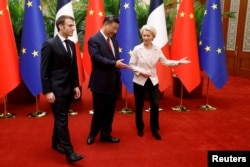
[{"x": 145, "y": 74}]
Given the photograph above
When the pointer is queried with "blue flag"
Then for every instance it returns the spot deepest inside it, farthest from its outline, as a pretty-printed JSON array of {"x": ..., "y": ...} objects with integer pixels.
[
  {"x": 33, "y": 36},
  {"x": 128, "y": 38},
  {"x": 211, "y": 45}
]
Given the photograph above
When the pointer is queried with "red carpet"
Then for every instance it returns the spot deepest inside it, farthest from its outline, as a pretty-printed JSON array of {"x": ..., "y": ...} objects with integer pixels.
[{"x": 186, "y": 137}]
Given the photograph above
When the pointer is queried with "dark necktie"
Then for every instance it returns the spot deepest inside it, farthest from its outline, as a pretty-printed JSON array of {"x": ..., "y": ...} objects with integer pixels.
[
  {"x": 108, "y": 41},
  {"x": 110, "y": 47},
  {"x": 68, "y": 47}
]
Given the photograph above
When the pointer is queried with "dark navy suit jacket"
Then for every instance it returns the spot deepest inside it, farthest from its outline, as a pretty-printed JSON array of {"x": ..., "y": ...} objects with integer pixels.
[
  {"x": 59, "y": 72},
  {"x": 105, "y": 77}
]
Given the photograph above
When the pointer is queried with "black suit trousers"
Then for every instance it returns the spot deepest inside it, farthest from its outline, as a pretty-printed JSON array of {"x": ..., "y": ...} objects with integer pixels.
[
  {"x": 139, "y": 95},
  {"x": 104, "y": 109},
  {"x": 61, "y": 134}
]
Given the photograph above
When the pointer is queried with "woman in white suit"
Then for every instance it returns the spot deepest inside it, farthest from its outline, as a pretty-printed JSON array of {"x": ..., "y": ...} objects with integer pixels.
[{"x": 143, "y": 64}]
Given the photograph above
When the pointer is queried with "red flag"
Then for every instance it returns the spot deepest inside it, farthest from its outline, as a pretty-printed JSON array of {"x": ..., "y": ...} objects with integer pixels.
[
  {"x": 65, "y": 8},
  {"x": 94, "y": 19},
  {"x": 9, "y": 68},
  {"x": 184, "y": 44},
  {"x": 157, "y": 19}
]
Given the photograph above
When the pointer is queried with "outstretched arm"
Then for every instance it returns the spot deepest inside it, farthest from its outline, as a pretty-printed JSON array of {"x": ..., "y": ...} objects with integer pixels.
[{"x": 184, "y": 61}]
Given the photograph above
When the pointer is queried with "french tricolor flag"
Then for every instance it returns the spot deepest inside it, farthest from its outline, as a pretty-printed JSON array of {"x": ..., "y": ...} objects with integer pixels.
[
  {"x": 64, "y": 7},
  {"x": 157, "y": 19}
]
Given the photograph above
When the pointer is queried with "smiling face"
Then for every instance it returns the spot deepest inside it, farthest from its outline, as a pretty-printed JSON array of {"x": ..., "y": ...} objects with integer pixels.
[
  {"x": 110, "y": 29},
  {"x": 110, "y": 25},
  {"x": 147, "y": 37}
]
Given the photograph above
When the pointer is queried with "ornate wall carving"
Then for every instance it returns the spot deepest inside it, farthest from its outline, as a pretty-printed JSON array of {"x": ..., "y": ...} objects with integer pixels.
[
  {"x": 232, "y": 26},
  {"x": 246, "y": 40}
]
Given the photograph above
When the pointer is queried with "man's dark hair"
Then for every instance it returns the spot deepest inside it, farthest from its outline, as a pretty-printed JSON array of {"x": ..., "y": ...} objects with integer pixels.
[
  {"x": 110, "y": 19},
  {"x": 61, "y": 20}
]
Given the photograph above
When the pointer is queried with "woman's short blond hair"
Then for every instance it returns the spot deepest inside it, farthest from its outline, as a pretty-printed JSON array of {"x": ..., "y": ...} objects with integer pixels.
[{"x": 148, "y": 28}]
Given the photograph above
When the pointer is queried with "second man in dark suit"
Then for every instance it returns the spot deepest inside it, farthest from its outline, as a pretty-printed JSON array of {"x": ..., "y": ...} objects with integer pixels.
[{"x": 104, "y": 79}]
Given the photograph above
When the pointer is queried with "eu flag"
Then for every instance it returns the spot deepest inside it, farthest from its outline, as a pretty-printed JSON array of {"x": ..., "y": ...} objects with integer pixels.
[
  {"x": 128, "y": 38},
  {"x": 211, "y": 45},
  {"x": 33, "y": 36}
]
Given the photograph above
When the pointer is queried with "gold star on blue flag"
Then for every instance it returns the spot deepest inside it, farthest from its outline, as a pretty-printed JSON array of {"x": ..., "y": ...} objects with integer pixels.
[
  {"x": 211, "y": 45},
  {"x": 33, "y": 36},
  {"x": 128, "y": 38}
]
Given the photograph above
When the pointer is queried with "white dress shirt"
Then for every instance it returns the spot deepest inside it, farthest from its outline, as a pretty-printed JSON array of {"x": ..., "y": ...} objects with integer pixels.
[{"x": 110, "y": 41}]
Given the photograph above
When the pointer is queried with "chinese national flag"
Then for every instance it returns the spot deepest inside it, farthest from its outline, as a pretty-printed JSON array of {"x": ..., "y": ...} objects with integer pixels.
[
  {"x": 184, "y": 44},
  {"x": 9, "y": 69},
  {"x": 94, "y": 19}
]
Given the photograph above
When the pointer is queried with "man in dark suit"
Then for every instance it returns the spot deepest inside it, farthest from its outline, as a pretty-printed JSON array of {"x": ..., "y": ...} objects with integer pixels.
[
  {"x": 60, "y": 82},
  {"x": 104, "y": 79}
]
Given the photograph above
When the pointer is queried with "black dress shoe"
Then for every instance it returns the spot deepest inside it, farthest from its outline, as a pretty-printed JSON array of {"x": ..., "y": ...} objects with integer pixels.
[
  {"x": 73, "y": 157},
  {"x": 140, "y": 133},
  {"x": 110, "y": 139},
  {"x": 90, "y": 140},
  {"x": 156, "y": 135},
  {"x": 58, "y": 148}
]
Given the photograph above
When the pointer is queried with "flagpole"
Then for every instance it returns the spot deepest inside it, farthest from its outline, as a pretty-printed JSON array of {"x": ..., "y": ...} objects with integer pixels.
[
  {"x": 37, "y": 113},
  {"x": 180, "y": 108},
  {"x": 207, "y": 106},
  {"x": 126, "y": 110},
  {"x": 6, "y": 114},
  {"x": 72, "y": 112},
  {"x": 91, "y": 112},
  {"x": 148, "y": 109}
]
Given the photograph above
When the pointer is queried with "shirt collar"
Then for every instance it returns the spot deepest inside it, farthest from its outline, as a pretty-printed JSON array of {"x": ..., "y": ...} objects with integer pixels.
[
  {"x": 61, "y": 37},
  {"x": 104, "y": 35}
]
